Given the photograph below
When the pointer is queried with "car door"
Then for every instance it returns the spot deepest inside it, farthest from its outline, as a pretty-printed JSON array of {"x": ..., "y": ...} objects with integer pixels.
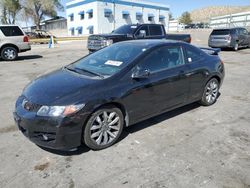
[
  {"x": 197, "y": 72},
  {"x": 164, "y": 88}
]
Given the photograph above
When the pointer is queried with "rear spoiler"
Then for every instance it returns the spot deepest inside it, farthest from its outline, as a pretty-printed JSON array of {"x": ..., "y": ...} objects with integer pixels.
[{"x": 211, "y": 51}]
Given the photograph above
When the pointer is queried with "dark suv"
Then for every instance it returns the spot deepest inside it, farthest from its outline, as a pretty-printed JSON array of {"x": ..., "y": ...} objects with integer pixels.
[{"x": 229, "y": 38}]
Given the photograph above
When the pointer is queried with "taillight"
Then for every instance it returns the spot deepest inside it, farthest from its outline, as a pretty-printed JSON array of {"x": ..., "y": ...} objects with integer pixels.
[
  {"x": 25, "y": 39},
  {"x": 190, "y": 40}
]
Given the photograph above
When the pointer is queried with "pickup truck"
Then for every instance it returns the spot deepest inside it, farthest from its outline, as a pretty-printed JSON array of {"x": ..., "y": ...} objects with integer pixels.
[{"x": 133, "y": 32}]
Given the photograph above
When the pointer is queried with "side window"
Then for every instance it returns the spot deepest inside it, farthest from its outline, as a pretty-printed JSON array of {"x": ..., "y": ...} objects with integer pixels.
[
  {"x": 143, "y": 28},
  {"x": 155, "y": 30},
  {"x": 10, "y": 31},
  {"x": 163, "y": 58},
  {"x": 193, "y": 54}
]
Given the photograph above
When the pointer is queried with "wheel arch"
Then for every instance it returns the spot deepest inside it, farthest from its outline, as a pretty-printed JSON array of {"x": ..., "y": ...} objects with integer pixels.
[
  {"x": 9, "y": 45},
  {"x": 117, "y": 105}
]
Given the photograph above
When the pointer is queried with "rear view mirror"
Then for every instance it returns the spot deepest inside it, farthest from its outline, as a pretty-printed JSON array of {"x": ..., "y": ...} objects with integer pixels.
[{"x": 141, "y": 74}]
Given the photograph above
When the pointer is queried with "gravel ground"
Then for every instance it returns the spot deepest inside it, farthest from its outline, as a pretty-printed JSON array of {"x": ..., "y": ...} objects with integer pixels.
[{"x": 192, "y": 146}]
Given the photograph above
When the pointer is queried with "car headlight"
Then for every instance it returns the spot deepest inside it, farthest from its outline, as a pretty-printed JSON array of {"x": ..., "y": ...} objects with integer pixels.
[{"x": 55, "y": 111}]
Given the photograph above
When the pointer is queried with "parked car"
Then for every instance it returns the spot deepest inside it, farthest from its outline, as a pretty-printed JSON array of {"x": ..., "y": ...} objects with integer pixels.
[
  {"x": 133, "y": 32},
  {"x": 12, "y": 41},
  {"x": 234, "y": 38},
  {"x": 91, "y": 100}
]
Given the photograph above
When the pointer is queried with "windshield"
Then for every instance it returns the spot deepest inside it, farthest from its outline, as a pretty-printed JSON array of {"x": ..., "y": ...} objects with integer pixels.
[
  {"x": 126, "y": 29},
  {"x": 221, "y": 32},
  {"x": 109, "y": 60}
]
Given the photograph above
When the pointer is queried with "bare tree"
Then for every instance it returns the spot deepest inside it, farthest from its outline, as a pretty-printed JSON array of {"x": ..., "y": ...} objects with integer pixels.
[
  {"x": 9, "y": 9},
  {"x": 38, "y": 9}
]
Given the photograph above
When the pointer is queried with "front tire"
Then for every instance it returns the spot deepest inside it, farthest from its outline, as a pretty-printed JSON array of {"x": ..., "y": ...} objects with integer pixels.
[
  {"x": 236, "y": 46},
  {"x": 9, "y": 53},
  {"x": 210, "y": 93},
  {"x": 103, "y": 128}
]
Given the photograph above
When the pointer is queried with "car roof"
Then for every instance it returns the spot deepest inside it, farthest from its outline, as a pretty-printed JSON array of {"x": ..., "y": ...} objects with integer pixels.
[{"x": 149, "y": 43}]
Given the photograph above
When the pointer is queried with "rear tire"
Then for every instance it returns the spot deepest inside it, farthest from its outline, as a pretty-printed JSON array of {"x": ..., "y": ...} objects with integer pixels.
[
  {"x": 210, "y": 93},
  {"x": 103, "y": 128},
  {"x": 9, "y": 53}
]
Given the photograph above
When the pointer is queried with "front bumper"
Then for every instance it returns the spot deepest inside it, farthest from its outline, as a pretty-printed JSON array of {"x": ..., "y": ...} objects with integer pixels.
[{"x": 60, "y": 133}]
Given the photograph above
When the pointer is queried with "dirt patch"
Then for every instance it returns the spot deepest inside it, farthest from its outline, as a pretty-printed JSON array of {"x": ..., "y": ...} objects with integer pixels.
[
  {"x": 239, "y": 98},
  {"x": 42, "y": 167},
  {"x": 8, "y": 129},
  {"x": 243, "y": 136}
]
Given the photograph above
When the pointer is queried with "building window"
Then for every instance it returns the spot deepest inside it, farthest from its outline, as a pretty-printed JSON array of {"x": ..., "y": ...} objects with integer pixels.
[
  {"x": 139, "y": 16},
  {"x": 90, "y": 13},
  {"x": 125, "y": 14},
  {"x": 72, "y": 31},
  {"x": 107, "y": 12},
  {"x": 161, "y": 18},
  {"x": 151, "y": 17},
  {"x": 71, "y": 17},
  {"x": 79, "y": 29},
  {"x": 82, "y": 15},
  {"x": 91, "y": 29}
]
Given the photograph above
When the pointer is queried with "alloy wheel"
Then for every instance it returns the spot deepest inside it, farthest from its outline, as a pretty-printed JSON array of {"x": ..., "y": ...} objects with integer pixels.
[
  {"x": 105, "y": 127},
  {"x": 9, "y": 54},
  {"x": 212, "y": 92}
]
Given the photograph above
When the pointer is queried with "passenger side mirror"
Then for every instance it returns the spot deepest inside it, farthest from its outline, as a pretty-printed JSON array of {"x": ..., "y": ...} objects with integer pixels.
[
  {"x": 142, "y": 34},
  {"x": 141, "y": 74}
]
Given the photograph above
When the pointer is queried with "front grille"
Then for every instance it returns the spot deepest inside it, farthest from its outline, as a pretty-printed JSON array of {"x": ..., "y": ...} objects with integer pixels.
[{"x": 95, "y": 44}]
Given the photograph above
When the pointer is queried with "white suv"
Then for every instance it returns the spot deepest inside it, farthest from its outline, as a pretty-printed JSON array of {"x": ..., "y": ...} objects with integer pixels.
[{"x": 12, "y": 41}]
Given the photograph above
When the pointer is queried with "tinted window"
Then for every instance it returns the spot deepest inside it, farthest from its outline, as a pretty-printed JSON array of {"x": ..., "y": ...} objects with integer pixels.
[
  {"x": 143, "y": 28},
  {"x": 194, "y": 53},
  {"x": 221, "y": 32},
  {"x": 110, "y": 60},
  {"x": 155, "y": 30},
  {"x": 9, "y": 31},
  {"x": 163, "y": 58},
  {"x": 126, "y": 29}
]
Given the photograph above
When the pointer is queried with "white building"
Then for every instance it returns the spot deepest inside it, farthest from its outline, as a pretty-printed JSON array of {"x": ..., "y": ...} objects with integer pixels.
[
  {"x": 231, "y": 20},
  {"x": 175, "y": 25},
  {"x": 103, "y": 16}
]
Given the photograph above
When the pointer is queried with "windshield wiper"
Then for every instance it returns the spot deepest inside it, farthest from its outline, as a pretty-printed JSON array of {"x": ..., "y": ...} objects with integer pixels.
[{"x": 80, "y": 70}]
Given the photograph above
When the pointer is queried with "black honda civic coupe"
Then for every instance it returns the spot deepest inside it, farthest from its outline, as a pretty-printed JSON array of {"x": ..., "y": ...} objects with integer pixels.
[{"x": 91, "y": 100}]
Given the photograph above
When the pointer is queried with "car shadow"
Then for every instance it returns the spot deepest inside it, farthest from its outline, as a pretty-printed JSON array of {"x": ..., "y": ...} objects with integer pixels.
[
  {"x": 25, "y": 57},
  {"x": 158, "y": 119},
  {"x": 132, "y": 129},
  {"x": 28, "y": 57}
]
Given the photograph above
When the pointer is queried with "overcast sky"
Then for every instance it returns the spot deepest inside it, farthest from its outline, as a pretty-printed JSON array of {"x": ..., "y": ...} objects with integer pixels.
[{"x": 177, "y": 7}]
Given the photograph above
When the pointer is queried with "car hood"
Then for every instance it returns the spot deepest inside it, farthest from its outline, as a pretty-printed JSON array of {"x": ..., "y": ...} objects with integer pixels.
[{"x": 60, "y": 87}]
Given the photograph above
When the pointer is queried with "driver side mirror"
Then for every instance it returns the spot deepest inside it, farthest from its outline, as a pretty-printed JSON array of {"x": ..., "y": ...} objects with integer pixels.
[
  {"x": 142, "y": 34},
  {"x": 141, "y": 74}
]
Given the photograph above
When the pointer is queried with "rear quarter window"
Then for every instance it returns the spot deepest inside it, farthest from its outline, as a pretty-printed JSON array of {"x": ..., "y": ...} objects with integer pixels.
[
  {"x": 10, "y": 31},
  {"x": 195, "y": 54}
]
